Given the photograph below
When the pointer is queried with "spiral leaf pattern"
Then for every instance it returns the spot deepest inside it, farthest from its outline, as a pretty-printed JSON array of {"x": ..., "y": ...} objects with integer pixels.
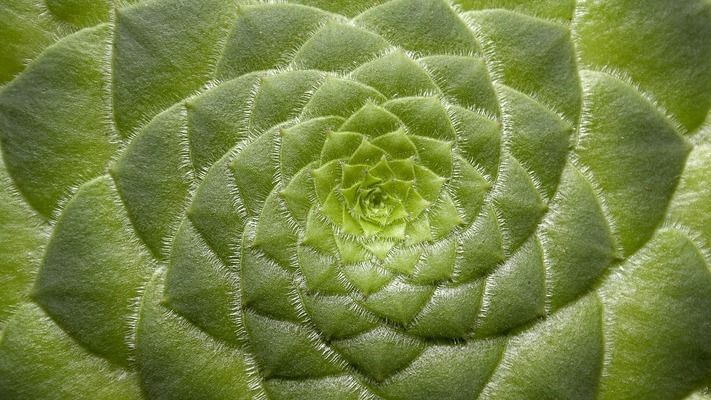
[{"x": 404, "y": 199}]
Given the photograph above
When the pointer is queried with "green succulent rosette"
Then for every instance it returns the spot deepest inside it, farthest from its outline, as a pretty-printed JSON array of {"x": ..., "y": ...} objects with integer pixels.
[{"x": 405, "y": 199}]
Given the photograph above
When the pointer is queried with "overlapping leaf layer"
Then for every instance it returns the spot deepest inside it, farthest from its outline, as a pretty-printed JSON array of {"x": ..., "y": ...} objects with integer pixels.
[{"x": 404, "y": 199}]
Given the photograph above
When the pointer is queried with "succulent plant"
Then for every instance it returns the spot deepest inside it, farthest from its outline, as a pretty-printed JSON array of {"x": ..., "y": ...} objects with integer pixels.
[{"x": 368, "y": 199}]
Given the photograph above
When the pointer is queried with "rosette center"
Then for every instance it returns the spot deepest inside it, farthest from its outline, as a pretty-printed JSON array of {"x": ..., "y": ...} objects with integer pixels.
[
  {"x": 380, "y": 202},
  {"x": 375, "y": 191}
]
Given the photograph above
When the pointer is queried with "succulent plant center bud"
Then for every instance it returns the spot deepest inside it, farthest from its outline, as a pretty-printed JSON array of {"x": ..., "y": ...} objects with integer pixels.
[
  {"x": 378, "y": 189},
  {"x": 376, "y": 205},
  {"x": 374, "y": 200}
]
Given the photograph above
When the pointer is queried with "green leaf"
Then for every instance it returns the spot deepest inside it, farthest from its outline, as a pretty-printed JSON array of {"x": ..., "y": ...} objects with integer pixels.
[
  {"x": 152, "y": 178},
  {"x": 41, "y": 361},
  {"x": 446, "y": 372},
  {"x": 677, "y": 312},
  {"x": 168, "y": 40},
  {"x": 421, "y": 26},
  {"x": 337, "y": 47},
  {"x": 336, "y": 388},
  {"x": 691, "y": 205},
  {"x": 93, "y": 263},
  {"x": 395, "y": 75},
  {"x": 274, "y": 344},
  {"x": 215, "y": 212},
  {"x": 205, "y": 296},
  {"x": 634, "y": 160},
  {"x": 172, "y": 354},
  {"x": 662, "y": 45},
  {"x": 263, "y": 35},
  {"x": 71, "y": 141},
  {"x": 568, "y": 346},
  {"x": 451, "y": 312},
  {"x": 465, "y": 79},
  {"x": 25, "y": 34},
  {"x": 535, "y": 56},
  {"x": 23, "y": 239},
  {"x": 379, "y": 353},
  {"x": 573, "y": 265},
  {"x": 554, "y": 9},
  {"x": 216, "y": 119},
  {"x": 80, "y": 13},
  {"x": 514, "y": 293}
]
